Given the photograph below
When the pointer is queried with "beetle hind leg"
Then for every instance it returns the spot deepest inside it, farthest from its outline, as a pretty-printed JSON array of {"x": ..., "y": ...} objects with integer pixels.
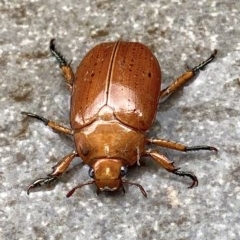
[
  {"x": 63, "y": 64},
  {"x": 188, "y": 75},
  {"x": 58, "y": 170},
  {"x": 169, "y": 166}
]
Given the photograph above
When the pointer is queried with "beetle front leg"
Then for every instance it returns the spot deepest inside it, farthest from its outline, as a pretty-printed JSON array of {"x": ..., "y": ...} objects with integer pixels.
[
  {"x": 169, "y": 166},
  {"x": 58, "y": 170},
  {"x": 178, "y": 146},
  {"x": 64, "y": 65},
  {"x": 55, "y": 126},
  {"x": 180, "y": 81}
]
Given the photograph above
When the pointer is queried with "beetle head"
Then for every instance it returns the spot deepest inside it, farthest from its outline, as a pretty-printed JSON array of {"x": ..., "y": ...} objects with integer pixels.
[{"x": 108, "y": 175}]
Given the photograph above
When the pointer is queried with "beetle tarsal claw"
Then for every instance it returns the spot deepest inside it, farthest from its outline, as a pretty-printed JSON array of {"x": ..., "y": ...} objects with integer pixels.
[
  {"x": 137, "y": 185},
  {"x": 33, "y": 115},
  {"x": 190, "y": 175},
  {"x": 38, "y": 182}
]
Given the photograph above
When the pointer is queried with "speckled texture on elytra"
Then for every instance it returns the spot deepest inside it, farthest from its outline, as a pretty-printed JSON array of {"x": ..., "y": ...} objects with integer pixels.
[{"x": 207, "y": 111}]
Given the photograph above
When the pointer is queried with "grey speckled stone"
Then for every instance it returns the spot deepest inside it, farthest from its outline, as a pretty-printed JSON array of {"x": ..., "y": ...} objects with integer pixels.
[{"x": 206, "y": 111}]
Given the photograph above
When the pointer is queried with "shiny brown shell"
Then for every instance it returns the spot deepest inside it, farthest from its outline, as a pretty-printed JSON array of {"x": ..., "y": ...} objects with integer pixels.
[{"x": 125, "y": 76}]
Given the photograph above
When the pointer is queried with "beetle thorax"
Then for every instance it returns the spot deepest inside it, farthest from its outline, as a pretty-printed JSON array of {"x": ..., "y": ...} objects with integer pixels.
[{"x": 109, "y": 139}]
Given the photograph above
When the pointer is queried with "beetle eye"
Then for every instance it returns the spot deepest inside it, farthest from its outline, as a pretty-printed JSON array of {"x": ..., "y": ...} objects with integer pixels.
[
  {"x": 91, "y": 172},
  {"x": 123, "y": 171}
]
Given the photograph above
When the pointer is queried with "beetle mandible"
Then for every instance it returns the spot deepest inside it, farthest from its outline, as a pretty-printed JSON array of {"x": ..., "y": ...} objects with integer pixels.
[{"x": 114, "y": 98}]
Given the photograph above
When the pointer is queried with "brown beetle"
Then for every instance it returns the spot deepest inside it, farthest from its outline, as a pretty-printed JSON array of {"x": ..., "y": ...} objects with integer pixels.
[{"x": 115, "y": 95}]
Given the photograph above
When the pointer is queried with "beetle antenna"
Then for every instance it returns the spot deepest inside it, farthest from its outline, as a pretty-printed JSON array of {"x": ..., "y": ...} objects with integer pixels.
[
  {"x": 70, "y": 193},
  {"x": 137, "y": 185}
]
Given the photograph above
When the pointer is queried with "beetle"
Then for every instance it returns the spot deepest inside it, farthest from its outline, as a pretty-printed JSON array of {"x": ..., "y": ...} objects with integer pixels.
[{"x": 114, "y": 99}]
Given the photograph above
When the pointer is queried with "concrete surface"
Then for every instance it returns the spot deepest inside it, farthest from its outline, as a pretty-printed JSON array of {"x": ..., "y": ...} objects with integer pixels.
[{"x": 206, "y": 111}]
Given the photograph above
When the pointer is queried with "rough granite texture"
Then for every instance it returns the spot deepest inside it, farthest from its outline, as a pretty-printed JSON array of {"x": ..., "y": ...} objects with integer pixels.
[{"x": 207, "y": 111}]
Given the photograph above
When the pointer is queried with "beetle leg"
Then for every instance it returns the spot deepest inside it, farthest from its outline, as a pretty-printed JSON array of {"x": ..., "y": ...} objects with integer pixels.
[
  {"x": 55, "y": 126},
  {"x": 63, "y": 164},
  {"x": 180, "y": 81},
  {"x": 38, "y": 182},
  {"x": 123, "y": 189},
  {"x": 169, "y": 166},
  {"x": 64, "y": 65},
  {"x": 58, "y": 170},
  {"x": 179, "y": 146}
]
